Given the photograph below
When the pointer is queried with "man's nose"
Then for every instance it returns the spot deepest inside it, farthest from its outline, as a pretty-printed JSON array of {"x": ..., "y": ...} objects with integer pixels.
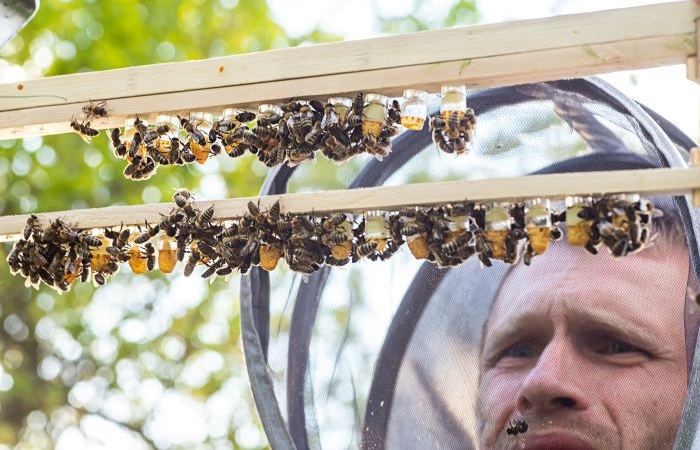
[{"x": 554, "y": 383}]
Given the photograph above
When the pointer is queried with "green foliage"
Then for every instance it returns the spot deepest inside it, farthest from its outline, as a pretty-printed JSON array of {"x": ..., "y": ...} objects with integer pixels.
[{"x": 115, "y": 357}]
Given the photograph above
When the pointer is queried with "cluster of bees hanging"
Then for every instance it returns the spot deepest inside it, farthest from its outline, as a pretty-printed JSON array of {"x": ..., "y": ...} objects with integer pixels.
[
  {"x": 446, "y": 235},
  {"x": 290, "y": 132}
]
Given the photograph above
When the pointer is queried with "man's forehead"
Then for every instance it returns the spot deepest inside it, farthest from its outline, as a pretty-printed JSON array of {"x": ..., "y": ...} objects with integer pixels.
[{"x": 642, "y": 288}]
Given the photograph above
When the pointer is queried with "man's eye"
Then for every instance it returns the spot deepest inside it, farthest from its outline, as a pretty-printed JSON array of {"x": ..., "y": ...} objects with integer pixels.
[
  {"x": 614, "y": 347},
  {"x": 520, "y": 350}
]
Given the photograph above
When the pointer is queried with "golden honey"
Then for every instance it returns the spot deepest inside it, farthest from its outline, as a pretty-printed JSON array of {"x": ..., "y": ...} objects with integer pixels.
[
  {"x": 269, "y": 256},
  {"x": 374, "y": 114},
  {"x": 578, "y": 230},
  {"x": 100, "y": 257},
  {"x": 201, "y": 152},
  {"x": 342, "y": 251},
  {"x": 136, "y": 261},
  {"x": 418, "y": 246},
  {"x": 413, "y": 123},
  {"x": 539, "y": 238},
  {"x": 579, "y": 234},
  {"x": 454, "y": 99},
  {"x": 497, "y": 241},
  {"x": 414, "y": 109},
  {"x": 167, "y": 255}
]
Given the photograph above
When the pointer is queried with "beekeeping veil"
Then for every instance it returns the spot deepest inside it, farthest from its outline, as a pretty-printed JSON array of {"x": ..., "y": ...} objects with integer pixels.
[{"x": 385, "y": 354}]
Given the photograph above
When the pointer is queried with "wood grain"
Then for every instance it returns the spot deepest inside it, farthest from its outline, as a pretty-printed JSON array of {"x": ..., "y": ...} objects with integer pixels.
[
  {"x": 554, "y": 186},
  {"x": 478, "y": 56}
]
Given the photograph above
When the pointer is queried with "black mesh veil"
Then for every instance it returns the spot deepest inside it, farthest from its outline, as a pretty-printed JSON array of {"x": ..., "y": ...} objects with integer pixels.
[{"x": 369, "y": 356}]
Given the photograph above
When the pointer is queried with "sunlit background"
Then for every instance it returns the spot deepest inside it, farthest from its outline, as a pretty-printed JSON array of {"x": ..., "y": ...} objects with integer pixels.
[{"x": 155, "y": 361}]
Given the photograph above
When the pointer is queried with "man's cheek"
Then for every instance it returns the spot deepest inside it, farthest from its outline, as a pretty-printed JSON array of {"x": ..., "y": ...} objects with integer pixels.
[{"x": 495, "y": 404}]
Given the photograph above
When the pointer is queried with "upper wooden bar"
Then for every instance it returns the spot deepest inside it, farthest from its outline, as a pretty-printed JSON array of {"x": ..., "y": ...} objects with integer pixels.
[{"x": 485, "y": 55}]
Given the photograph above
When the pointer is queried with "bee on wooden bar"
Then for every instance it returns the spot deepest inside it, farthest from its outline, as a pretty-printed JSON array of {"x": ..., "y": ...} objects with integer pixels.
[
  {"x": 83, "y": 129},
  {"x": 96, "y": 110},
  {"x": 32, "y": 228}
]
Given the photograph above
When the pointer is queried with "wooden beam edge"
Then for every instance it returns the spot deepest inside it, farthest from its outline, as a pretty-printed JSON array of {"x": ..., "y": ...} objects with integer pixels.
[
  {"x": 649, "y": 182},
  {"x": 426, "y": 47},
  {"x": 481, "y": 72}
]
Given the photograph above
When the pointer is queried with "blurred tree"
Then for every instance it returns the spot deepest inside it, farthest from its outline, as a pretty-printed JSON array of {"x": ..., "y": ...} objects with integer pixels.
[{"x": 147, "y": 361}]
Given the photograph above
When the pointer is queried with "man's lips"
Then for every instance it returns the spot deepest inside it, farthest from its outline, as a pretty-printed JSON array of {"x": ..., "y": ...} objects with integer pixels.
[{"x": 554, "y": 441}]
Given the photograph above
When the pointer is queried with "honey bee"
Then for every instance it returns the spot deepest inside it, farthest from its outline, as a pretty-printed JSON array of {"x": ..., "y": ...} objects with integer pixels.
[
  {"x": 333, "y": 238},
  {"x": 442, "y": 142},
  {"x": 192, "y": 261},
  {"x": 460, "y": 146},
  {"x": 150, "y": 256},
  {"x": 99, "y": 278},
  {"x": 122, "y": 238},
  {"x": 140, "y": 126},
  {"x": 88, "y": 240},
  {"x": 354, "y": 120},
  {"x": 333, "y": 222},
  {"x": 115, "y": 136},
  {"x": 455, "y": 244},
  {"x": 314, "y": 135},
  {"x": 118, "y": 253},
  {"x": 358, "y": 104},
  {"x": 366, "y": 249},
  {"x": 516, "y": 427},
  {"x": 529, "y": 253},
  {"x": 83, "y": 129},
  {"x": 182, "y": 197},
  {"x": 156, "y": 155},
  {"x": 143, "y": 237},
  {"x": 394, "y": 111},
  {"x": 205, "y": 217},
  {"x": 33, "y": 227},
  {"x": 187, "y": 155},
  {"x": 135, "y": 145},
  {"x": 483, "y": 248},
  {"x": 160, "y": 130},
  {"x": 174, "y": 152},
  {"x": 249, "y": 138},
  {"x": 245, "y": 116},
  {"x": 437, "y": 123},
  {"x": 96, "y": 110},
  {"x": 234, "y": 150},
  {"x": 192, "y": 131},
  {"x": 334, "y": 150},
  {"x": 332, "y": 261}
]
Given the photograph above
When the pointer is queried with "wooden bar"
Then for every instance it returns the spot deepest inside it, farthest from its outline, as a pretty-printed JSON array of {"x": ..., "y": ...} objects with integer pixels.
[
  {"x": 478, "y": 56},
  {"x": 554, "y": 186}
]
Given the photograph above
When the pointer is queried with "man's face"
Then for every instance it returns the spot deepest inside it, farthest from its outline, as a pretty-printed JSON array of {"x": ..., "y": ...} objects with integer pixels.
[{"x": 589, "y": 350}]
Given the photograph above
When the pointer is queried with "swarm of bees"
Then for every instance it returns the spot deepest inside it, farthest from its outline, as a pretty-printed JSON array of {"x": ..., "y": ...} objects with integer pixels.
[
  {"x": 623, "y": 224},
  {"x": 452, "y": 131},
  {"x": 446, "y": 235},
  {"x": 290, "y": 133}
]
